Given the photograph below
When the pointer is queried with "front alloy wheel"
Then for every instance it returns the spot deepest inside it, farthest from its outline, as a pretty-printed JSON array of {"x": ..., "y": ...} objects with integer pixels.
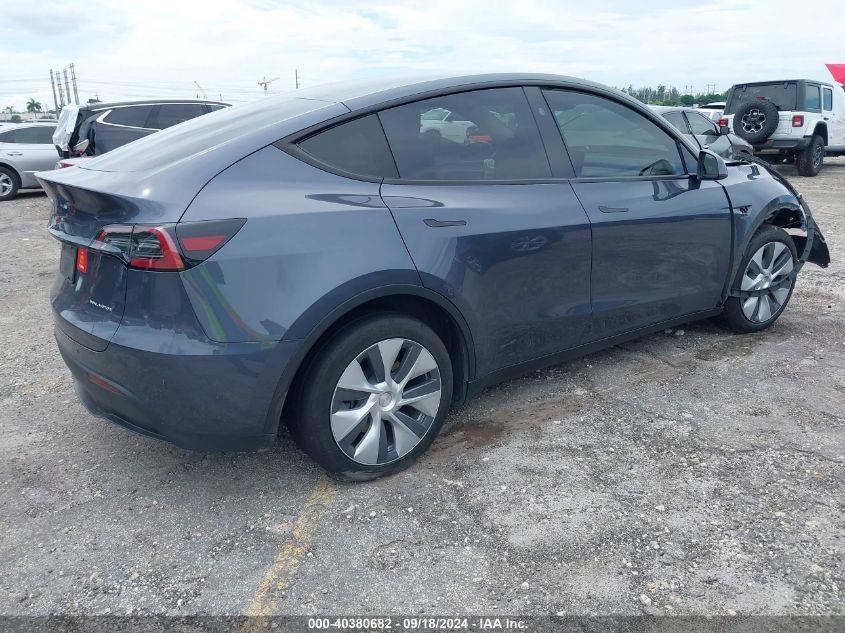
[
  {"x": 766, "y": 269},
  {"x": 385, "y": 401}
]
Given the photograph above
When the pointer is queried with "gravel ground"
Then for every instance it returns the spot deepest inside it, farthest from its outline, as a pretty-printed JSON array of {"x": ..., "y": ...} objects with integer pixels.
[{"x": 689, "y": 472}]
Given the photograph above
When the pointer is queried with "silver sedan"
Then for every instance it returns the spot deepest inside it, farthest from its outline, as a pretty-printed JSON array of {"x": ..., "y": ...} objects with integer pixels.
[{"x": 25, "y": 148}]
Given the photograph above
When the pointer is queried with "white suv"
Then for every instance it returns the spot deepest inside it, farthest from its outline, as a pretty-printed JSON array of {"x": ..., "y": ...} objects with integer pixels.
[{"x": 796, "y": 120}]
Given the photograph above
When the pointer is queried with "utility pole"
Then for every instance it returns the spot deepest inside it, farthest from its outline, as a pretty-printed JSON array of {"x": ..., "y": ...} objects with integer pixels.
[
  {"x": 200, "y": 90},
  {"x": 73, "y": 79},
  {"x": 296, "y": 77},
  {"x": 61, "y": 94},
  {"x": 53, "y": 86},
  {"x": 266, "y": 81},
  {"x": 67, "y": 86}
]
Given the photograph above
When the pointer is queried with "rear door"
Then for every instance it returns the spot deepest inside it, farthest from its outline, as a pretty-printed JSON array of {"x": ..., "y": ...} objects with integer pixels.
[
  {"x": 661, "y": 239},
  {"x": 121, "y": 125},
  {"x": 833, "y": 112},
  {"x": 488, "y": 227}
]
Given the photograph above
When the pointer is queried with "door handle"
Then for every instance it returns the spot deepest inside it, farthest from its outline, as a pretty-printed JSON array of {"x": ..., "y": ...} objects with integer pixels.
[
  {"x": 14, "y": 153},
  {"x": 604, "y": 209},
  {"x": 440, "y": 223}
]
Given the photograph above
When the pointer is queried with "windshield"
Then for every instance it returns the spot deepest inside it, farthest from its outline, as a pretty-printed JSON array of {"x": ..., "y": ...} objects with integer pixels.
[{"x": 783, "y": 94}]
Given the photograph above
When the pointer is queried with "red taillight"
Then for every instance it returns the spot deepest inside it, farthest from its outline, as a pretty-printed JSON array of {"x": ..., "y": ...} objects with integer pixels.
[
  {"x": 798, "y": 120},
  {"x": 158, "y": 247},
  {"x": 200, "y": 240},
  {"x": 82, "y": 260},
  {"x": 154, "y": 249},
  {"x": 723, "y": 122}
]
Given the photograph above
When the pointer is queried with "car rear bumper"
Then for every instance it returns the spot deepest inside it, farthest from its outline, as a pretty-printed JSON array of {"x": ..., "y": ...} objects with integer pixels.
[
  {"x": 217, "y": 397},
  {"x": 781, "y": 146}
]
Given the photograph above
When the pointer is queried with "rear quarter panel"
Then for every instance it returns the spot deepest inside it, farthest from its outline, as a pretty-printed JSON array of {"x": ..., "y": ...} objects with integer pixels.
[{"x": 312, "y": 241}]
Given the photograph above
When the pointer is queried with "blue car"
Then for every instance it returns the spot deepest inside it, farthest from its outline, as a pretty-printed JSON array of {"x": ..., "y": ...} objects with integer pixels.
[{"x": 330, "y": 260}]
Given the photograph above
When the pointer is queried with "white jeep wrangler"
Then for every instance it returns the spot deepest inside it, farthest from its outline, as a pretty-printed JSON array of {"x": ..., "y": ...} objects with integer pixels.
[{"x": 797, "y": 120}]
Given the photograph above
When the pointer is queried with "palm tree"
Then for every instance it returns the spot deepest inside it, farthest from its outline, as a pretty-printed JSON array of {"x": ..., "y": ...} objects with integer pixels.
[{"x": 33, "y": 106}]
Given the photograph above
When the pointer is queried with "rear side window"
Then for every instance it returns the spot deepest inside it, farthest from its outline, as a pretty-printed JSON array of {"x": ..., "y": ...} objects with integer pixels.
[
  {"x": 478, "y": 135},
  {"x": 32, "y": 135},
  {"x": 828, "y": 99},
  {"x": 6, "y": 137},
  {"x": 169, "y": 114},
  {"x": 133, "y": 116},
  {"x": 606, "y": 139},
  {"x": 677, "y": 119},
  {"x": 812, "y": 98},
  {"x": 357, "y": 146},
  {"x": 700, "y": 124}
]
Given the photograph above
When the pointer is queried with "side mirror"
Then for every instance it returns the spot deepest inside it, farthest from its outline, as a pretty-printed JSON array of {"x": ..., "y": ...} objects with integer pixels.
[
  {"x": 81, "y": 146},
  {"x": 710, "y": 166}
]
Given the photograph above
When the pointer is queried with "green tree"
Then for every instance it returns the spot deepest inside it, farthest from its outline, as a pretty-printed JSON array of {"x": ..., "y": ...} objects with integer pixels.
[{"x": 33, "y": 106}]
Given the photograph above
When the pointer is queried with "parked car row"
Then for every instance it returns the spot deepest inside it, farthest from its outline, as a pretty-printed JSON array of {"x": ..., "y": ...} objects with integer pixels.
[
  {"x": 82, "y": 132},
  {"x": 328, "y": 261}
]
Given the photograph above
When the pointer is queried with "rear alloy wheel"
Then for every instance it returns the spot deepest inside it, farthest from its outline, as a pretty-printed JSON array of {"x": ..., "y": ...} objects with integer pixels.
[
  {"x": 8, "y": 184},
  {"x": 765, "y": 269},
  {"x": 385, "y": 401},
  {"x": 374, "y": 397},
  {"x": 811, "y": 158}
]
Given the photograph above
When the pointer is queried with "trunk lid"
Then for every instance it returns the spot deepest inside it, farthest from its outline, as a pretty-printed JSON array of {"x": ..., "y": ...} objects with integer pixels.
[{"x": 89, "y": 292}]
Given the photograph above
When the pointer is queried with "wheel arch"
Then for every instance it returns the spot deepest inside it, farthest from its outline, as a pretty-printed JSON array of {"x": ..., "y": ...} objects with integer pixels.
[
  {"x": 417, "y": 301},
  {"x": 821, "y": 130},
  {"x": 14, "y": 171}
]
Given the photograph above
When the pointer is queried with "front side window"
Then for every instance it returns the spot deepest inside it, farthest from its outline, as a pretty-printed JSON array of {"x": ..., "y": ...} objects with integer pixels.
[
  {"x": 828, "y": 99},
  {"x": 132, "y": 116},
  {"x": 700, "y": 124},
  {"x": 606, "y": 139},
  {"x": 478, "y": 135},
  {"x": 357, "y": 146},
  {"x": 812, "y": 98}
]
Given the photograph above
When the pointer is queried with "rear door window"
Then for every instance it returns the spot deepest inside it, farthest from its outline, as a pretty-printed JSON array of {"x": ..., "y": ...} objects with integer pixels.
[
  {"x": 606, "y": 139},
  {"x": 812, "y": 98},
  {"x": 677, "y": 119},
  {"x": 828, "y": 99},
  {"x": 700, "y": 124},
  {"x": 357, "y": 146},
  {"x": 132, "y": 116},
  {"x": 474, "y": 136},
  {"x": 169, "y": 114}
]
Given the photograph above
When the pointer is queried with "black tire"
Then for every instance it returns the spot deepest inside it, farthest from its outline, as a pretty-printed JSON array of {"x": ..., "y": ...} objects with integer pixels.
[
  {"x": 755, "y": 121},
  {"x": 733, "y": 317},
  {"x": 10, "y": 174},
  {"x": 810, "y": 159},
  {"x": 310, "y": 422}
]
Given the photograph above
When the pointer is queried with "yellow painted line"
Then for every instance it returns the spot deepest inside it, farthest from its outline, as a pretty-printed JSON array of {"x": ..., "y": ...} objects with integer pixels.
[{"x": 281, "y": 573}]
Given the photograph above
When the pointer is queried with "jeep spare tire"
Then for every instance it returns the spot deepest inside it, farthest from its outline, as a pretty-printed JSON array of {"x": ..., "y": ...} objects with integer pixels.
[{"x": 755, "y": 121}]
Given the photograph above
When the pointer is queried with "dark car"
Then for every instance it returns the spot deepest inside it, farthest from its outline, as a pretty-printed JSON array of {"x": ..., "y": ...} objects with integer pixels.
[
  {"x": 318, "y": 258},
  {"x": 98, "y": 128},
  {"x": 706, "y": 133}
]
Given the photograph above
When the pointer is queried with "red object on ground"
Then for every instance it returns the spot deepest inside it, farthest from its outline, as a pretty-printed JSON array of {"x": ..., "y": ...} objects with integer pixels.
[{"x": 838, "y": 72}]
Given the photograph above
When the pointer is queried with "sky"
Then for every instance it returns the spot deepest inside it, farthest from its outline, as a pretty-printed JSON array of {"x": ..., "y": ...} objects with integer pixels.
[{"x": 133, "y": 49}]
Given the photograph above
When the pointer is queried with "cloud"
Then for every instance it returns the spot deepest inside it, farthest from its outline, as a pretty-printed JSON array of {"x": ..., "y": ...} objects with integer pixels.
[{"x": 159, "y": 48}]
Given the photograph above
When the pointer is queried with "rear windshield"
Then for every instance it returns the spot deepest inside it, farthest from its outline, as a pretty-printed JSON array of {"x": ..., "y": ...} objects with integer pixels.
[
  {"x": 783, "y": 95},
  {"x": 199, "y": 134}
]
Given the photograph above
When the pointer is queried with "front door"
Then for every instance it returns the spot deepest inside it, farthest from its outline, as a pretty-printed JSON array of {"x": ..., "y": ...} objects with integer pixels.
[{"x": 661, "y": 239}]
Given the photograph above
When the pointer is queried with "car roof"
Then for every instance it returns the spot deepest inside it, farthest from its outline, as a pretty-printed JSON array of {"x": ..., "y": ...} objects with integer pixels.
[
  {"x": 782, "y": 81},
  {"x": 662, "y": 109},
  {"x": 115, "y": 104}
]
